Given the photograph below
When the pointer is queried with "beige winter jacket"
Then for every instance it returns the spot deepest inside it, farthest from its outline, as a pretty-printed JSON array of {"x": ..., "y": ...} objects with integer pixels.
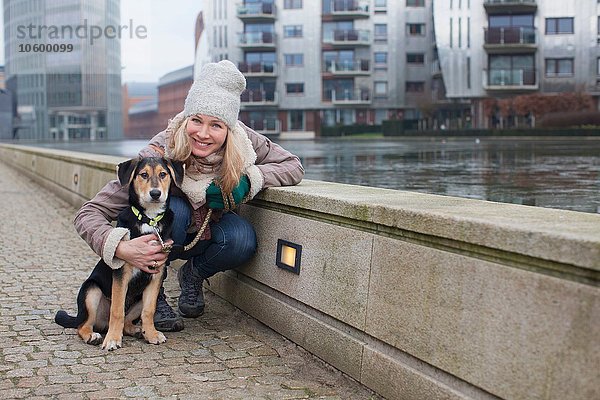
[{"x": 272, "y": 166}]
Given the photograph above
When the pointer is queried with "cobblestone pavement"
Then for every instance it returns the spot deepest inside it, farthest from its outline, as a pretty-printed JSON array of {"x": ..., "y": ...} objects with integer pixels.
[{"x": 224, "y": 354}]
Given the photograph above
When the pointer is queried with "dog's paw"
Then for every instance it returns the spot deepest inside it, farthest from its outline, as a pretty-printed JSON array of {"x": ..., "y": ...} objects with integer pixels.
[
  {"x": 111, "y": 344},
  {"x": 133, "y": 330},
  {"x": 94, "y": 339},
  {"x": 155, "y": 337}
]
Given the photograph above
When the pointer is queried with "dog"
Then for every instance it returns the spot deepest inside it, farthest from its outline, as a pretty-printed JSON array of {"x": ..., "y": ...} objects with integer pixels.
[{"x": 114, "y": 299}]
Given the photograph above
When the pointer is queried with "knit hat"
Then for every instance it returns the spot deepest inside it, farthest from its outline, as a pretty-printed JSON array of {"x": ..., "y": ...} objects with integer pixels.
[{"x": 216, "y": 92}]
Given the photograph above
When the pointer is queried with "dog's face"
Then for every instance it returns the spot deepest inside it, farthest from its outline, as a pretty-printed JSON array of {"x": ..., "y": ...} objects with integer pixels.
[{"x": 150, "y": 178}]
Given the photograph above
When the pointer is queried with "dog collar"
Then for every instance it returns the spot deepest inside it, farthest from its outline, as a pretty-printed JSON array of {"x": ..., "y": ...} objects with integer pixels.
[{"x": 141, "y": 217}]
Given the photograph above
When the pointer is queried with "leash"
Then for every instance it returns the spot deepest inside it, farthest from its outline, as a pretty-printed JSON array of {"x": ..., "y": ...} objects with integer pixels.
[
  {"x": 166, "y": 248},
  {"x": 200, "y": 232}
]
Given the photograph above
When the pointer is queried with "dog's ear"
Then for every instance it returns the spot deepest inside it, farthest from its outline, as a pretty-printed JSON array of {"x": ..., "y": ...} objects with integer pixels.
[
  {"x": 125, "y": 170},
  {"x": 177, "y": 170}
]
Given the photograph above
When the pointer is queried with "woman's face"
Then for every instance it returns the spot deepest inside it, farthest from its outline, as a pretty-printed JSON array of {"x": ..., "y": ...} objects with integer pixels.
[{"x": 207, "y": 134}]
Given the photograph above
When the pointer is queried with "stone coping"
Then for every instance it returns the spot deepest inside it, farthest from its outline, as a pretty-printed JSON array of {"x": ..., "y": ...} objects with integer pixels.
[{"x": 568, "y": 237}]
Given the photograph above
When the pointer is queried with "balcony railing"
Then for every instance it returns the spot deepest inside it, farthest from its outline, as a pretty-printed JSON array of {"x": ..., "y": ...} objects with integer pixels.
[
  {"x": 257, "y": 39},
  {"x": 347, "y": 8},
  {"x": 511, "y": 79},
  {"x": 347, "y": 96},
  {"x": 260, "y": 10},
  {"x": 259, "y": 97},
  {"x": 348, "y": 37},
  {"x": 258, "y": 69},
  {"x": 348, "y": 67},
  {"x": 510, "y": 36}
]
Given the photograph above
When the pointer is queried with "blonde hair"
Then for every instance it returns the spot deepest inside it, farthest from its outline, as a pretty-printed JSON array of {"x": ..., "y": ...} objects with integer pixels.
[{"x": 228, "y": 176}]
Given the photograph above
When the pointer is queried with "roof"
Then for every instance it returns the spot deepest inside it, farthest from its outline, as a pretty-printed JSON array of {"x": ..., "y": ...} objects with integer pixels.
[{"x": 177, "y": 75}]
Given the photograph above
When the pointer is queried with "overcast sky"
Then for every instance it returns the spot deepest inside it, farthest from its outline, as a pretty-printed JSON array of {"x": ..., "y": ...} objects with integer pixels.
[{"x": 169, "y": 44}]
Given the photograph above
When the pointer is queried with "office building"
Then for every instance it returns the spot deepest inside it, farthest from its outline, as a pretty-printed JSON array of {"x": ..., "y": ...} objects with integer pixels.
[
  {"x": 323, "y": 63},
  {"x": 66, "y": 83},
  {"x": 506, "y": 48}
]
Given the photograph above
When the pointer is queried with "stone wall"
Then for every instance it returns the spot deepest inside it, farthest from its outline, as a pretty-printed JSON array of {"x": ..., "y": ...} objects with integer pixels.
[{"x": 416, "y": 296}]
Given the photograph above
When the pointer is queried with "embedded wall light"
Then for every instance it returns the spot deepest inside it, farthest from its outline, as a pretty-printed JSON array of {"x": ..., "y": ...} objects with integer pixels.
[{"x": 288, "y": 256}]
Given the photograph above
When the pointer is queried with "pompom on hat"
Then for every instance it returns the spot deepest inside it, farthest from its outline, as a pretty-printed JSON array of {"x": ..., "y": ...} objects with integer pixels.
[{"x": 216, "y": 92}]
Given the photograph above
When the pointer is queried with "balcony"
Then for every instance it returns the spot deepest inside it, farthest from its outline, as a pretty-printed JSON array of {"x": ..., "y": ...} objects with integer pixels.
[
  {"x": 345, "y": 9},
  {"x": 258, "y": 70},
  {"x": 259, "y": 98},
  {"x": 349, "y": 97},
  {"x": 510, "y": 40},
  {"x": 268, "y": 126},
  {"x": 256, "y": 12},
  {"x": 347, "y": 68},
  {"x": 509, "y": 6},
  {"x": 257, "y": 40},
  {"x": 348, "y": 38},
  {"x": 510, "y": 80}
]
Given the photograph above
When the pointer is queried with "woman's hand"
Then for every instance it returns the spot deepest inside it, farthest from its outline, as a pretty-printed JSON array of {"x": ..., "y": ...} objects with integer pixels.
[{"x": 142, "y": 252}]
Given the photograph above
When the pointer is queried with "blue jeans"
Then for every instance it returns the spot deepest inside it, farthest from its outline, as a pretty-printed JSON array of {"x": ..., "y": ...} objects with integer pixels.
[{"x": 232, "y": 242}]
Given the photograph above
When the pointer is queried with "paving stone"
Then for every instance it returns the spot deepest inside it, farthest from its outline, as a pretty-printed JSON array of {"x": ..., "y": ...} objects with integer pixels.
[
  {"x": 139, "y": 391},
  {"x": 224, "y": 354},
  {"x": 31, "y": 382},
  {"x": 15, "y": 394}
]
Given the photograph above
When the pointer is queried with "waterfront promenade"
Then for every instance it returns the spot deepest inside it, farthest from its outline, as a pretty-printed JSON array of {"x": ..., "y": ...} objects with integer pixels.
[{"x": 224, "y": 354}]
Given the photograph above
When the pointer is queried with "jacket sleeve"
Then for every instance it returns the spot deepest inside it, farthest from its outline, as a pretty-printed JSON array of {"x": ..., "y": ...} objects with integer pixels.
[
  {"x": 277, "y": 166},
  {"x": 93, "y": 222}
]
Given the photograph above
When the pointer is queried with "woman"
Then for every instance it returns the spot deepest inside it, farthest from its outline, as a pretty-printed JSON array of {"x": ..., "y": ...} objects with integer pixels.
[{"x": 227, "y": 164}]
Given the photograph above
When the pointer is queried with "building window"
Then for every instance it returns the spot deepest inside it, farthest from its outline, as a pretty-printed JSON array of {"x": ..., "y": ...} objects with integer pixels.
[
  {"x": 296, "y": 120},
  {"x": 415, "y": 58},
  {"x": 380, "y": 6},
  {"x": 598, "y": 64},
  {"x": 292, "y": 4},
  {"x": 380, "y": 116},
  {"x": 411, "y": 113},
  {"x": 294, "y": 60},
  {"x": 381, "y": 89},
  {"x": 511, "y": 70},
  {"x": 415, "y": 87},
  {"x": 559, "y": 67},
  {"x": 381, "y": 33},
  {"x": 415, "y": 29},
  {"x": 292, "y": 31},
  {"x": 381, "y": 60},
  {"x": 511, "y": 20},
  {"x": 468, "y": 72},
  {"x": 415, "y": 3},
  {"x": 557, "y": 26},
  {"x": 294, "y": 88}
]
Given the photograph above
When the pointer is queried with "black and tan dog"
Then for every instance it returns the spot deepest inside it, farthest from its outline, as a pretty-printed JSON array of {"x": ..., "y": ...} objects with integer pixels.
[{"x": 114, "y": 299}]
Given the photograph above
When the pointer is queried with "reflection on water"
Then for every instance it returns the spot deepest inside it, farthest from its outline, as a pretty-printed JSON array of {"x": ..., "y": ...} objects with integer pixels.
[{"x": 532, "y": 171}]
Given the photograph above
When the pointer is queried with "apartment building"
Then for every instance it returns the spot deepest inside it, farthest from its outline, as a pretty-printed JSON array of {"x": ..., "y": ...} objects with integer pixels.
[
  {"x": 506, "y": 48},
  {"x": 65, "y": 83},
  {"x": 324, "y": 62}
]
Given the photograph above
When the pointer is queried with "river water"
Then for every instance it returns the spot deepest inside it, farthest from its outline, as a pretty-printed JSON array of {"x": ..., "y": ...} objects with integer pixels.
[{"x": 544, "y": 172}]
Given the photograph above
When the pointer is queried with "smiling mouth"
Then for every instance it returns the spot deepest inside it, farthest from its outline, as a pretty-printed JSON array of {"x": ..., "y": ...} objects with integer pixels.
[{"x": 201, "y": 144}]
